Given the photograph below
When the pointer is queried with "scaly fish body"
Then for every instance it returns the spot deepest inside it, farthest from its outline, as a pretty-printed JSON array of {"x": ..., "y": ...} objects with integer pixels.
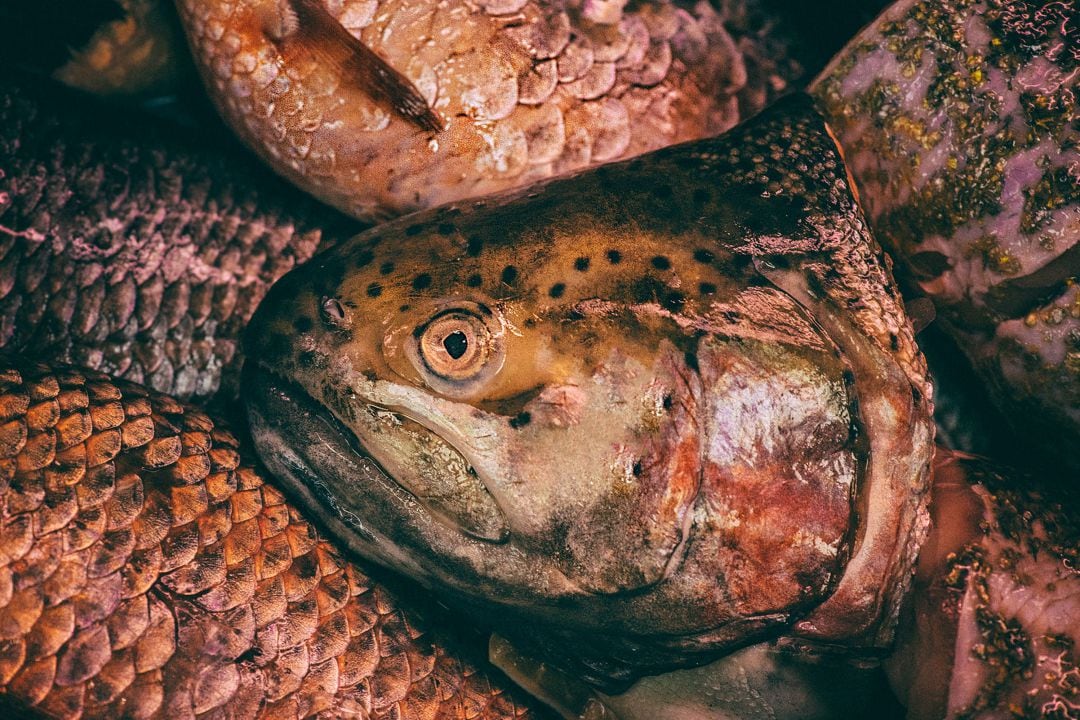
[
  {"x": 126, "y": 248},
  {"x": 147, "y": 571},
  {"x": 960, "y": 122},
  {"x": 632, "y": 407},
  {"x": 523, "y": 89}
]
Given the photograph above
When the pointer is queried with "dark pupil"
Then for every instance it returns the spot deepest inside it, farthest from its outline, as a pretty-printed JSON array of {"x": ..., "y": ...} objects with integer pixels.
[{"x": 456, "y": 344}]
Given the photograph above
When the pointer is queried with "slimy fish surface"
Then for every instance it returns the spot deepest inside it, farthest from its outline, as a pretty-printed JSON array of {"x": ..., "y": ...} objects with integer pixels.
[
  {"x": 960, "y": 122},
  {"x": 658, "y": 409},
  {"x": 379, "y": 107}
]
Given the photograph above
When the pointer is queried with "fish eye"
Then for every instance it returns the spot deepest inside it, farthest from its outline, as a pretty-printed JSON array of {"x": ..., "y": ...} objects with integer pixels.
[{"x": 457, "y": 349}]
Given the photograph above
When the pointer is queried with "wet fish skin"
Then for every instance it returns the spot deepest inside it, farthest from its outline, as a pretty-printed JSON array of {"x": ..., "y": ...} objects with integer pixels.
[
  {"x": 960, "y": 124},
  {"x": 127, "y": 246},
  {"x": 147, "y": 570},
  {"x": 527, "y": 89},
  {"x": 673, "y": 275}
]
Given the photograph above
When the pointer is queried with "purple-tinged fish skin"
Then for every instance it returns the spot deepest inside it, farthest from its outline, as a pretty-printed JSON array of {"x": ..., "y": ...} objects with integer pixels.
[
  {"x": 993, "y": 628},
  {"x": 126, "y": 250},
  {"x": 961, "y": 122}
]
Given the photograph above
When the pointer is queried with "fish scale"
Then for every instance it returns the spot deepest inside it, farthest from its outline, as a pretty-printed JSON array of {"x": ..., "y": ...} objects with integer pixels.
[
  {"x": 146, "y": 570},
  {"x": 527, "y": 90},
  {"x": 126, "y": 250}
]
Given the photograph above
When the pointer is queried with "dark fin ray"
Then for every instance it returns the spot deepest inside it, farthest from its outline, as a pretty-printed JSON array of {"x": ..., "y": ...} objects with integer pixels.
[
  {"x": 1016, "y": 297},
  {"x": 319, "y": 32}
]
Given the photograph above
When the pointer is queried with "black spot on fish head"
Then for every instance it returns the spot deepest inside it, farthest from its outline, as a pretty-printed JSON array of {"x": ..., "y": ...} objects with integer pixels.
[
  {"x": 474, "y": 246},
  {"x": 374, "y": 290},
  {"x": 674, "y": 301},
  {"x": 386, "y": 268},
  {"x": 557, "y": 290},
  {"x": 509, "y": 274},
  {"x": 421, "y": 282},
  {"x": 614, "y": 257},
  {"x": 474, "y": 280},
  {"x": 661, "y": 262},
  {"x": 581, "y": 264}
]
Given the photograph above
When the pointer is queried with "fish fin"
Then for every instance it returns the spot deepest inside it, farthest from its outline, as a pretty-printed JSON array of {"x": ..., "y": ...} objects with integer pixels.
[{"x": 308, "y": 26}]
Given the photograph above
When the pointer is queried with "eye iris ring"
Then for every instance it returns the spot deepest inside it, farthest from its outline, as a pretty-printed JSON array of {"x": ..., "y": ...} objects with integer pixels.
[
  {"x": 459, "y": 350},
  {"x": 455, "y": 346}
]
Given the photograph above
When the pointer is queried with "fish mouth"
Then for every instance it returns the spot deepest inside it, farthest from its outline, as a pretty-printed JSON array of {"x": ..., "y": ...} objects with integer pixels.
[{"x": 331, "y": 467}]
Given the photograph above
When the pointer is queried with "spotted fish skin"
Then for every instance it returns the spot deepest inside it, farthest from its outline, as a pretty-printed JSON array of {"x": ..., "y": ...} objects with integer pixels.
[
  {"x": 148, "y": 570},
  {"x": 526, "y": 89},
  {"x": 665, "y": 332},
  {"x": 125, "y": 248},
  {"x": 960, "y": 122}
]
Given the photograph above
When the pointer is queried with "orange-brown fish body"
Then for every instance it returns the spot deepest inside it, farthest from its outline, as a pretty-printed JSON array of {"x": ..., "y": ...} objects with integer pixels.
[
  {"x": 524, "y": 89},
  {"x": 147, "y": 571},
  {"x": 700, "y": 339}
]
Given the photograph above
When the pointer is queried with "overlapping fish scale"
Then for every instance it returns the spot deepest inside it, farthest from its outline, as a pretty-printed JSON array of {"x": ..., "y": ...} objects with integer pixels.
[
  {"x": 146, "y": 570},
  {"x": 132, "y": 253},
  {"x": 483, "y": 68}
]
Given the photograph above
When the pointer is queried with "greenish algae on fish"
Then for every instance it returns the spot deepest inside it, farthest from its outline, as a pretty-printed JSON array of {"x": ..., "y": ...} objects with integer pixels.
[
  {"x": 960, "y": 122},
  {"x": 634, "y": 418}
]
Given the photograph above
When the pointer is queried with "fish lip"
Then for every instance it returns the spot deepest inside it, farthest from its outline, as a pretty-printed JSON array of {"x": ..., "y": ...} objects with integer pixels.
[
  {"x": 262, "y": 381},
  {"x": 265, "y": 380}
]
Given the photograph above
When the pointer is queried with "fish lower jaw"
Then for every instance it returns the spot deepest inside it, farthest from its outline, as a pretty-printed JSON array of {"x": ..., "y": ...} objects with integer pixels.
[{"x": 301, "y": 432}]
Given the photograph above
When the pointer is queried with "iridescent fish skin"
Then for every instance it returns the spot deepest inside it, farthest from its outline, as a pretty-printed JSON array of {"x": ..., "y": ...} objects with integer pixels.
[
  {"x": 148, "y": 571},
  {"x": 526, "y": 89},
  {"x": 640, "y": 408},
  {"x": 127, "y": 246},
  {"x": 960, "y": 123}
]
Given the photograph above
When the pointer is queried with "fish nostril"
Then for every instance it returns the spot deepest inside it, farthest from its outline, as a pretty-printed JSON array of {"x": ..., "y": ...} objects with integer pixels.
[{"x": 333, "y": 312}]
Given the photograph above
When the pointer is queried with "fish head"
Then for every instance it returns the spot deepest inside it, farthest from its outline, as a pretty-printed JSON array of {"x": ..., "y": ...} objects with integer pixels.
[{"x": 558, "y": 409}]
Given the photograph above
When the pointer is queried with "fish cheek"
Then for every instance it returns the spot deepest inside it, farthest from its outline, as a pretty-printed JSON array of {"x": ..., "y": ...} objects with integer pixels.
[{"x": 631, "y": 536}]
